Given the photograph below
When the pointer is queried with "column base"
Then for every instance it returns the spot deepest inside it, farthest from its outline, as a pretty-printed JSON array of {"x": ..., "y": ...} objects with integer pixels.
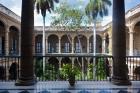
[
  {"x": 119, "y": 81},
  {"x": 25, "y": 82}
]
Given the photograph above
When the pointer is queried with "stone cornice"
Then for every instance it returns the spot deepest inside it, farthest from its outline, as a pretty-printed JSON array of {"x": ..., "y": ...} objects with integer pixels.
[
  {"x": 132, "y": 11},
  {"x": 10, "y": 13},
  {"x": 62, "y": 28}
]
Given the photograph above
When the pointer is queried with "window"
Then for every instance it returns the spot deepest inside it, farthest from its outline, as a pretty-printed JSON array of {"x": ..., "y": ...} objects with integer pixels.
[
  {"x": 77, "y": 50},
  {"x": 90, "y": 48},
  {"x": 38, "y": 47},
  {"x": 67, "y": 48}
]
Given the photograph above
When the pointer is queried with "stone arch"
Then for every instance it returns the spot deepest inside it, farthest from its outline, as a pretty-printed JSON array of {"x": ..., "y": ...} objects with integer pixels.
[
  {"x": 135, "y": 21},
  {"x": 53, "y": 43},
  {"x": 80, "y": 44},
  {"x": 13, "y": 40},
  {"x": 137, "y": 38},
  {"x": 38, "y": 43},
  {"x": 98, "y": 44},
  {"x": 66, "y": 60},
  {"x": 53, "y": 61},
  {"x": 66, "y": 44}
]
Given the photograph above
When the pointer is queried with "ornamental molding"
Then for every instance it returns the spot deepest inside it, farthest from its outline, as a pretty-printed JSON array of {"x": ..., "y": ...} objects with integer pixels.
[{"x": 10, "y": 13}]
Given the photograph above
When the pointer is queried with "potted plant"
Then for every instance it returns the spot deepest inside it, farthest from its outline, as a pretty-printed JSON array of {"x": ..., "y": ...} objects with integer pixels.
[{"x": 70, "y": 72}]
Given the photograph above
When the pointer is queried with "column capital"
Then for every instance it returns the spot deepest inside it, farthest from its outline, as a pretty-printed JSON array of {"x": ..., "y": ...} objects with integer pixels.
[
  {"x": 59, "y": 38},
  {"x": 103, "y": 38},
  {"x": 131, "y": 32}
]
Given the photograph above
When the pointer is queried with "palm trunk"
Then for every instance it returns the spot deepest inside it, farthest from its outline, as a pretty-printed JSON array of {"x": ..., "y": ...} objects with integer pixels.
[
  {"x": 94, "y": 49},
  {"x": 94, "y": 39},
  {"x": 43, "y": 45},
  {"x": 27, "y": 26}
]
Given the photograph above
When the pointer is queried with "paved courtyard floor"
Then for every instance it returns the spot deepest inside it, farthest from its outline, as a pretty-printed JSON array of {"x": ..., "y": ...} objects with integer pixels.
[{"x": 63, "y": 87}]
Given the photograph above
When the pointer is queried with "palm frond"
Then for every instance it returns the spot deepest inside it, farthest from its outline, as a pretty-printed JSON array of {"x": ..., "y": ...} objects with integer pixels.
[
  {"x": 97, "y": 8},
  {"x": 45, "y": 5}
]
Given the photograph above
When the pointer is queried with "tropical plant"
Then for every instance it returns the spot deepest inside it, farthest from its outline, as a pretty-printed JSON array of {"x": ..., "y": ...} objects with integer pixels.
[
  {"x": 70, "y": 72},
  {"x": 50, "y": 73},
  {"x": 38, "y": 67},
  {"x": 100, "y": 69},
  {"x": 43, "y": 6}
]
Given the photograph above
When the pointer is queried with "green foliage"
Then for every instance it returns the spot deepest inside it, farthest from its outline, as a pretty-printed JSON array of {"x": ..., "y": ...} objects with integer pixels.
[
  {"x": 68, "y": 16},
  {"x": 68, "y": 71},
  {"x": 43, "y": 5},
  {"x": 100, "y": 69},
  {"x": 51, "y": 72},
  {"x": 97, "y": 8},
  {"x": 90, "y": 71},
  {"x": 39, "y": 67}
]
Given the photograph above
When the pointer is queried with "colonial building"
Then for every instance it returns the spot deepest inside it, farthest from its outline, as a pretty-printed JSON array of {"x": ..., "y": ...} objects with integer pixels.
[{"x": 61, "y": 40}]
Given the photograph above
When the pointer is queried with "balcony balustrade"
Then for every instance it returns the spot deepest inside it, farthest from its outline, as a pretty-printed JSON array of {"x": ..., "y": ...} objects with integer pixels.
[{"x": 92, "y": 68}]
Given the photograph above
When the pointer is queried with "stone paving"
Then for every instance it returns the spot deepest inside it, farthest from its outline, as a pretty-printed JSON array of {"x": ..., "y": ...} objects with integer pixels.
[{"x": 63, "y": 87}]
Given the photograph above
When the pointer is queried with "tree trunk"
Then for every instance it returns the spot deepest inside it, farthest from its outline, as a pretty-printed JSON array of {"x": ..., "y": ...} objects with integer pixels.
[
  {"x": 27, "y": 27},
  {"x": 120, "y": 69},
  {"x": 44, "y": 45}
]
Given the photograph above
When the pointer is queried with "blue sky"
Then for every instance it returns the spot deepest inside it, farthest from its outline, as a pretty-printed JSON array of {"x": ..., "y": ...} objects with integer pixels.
[{"x": 15, "y": 6}]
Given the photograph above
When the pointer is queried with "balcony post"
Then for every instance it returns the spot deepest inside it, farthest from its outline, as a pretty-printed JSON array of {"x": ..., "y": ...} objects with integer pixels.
[{"x": 120, "y": 69}]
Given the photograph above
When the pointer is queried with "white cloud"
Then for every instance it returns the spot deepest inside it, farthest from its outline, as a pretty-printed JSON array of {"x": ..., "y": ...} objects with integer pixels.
[
  {"x": 106, "y": 20},
  {"x": 38, "y": 19}
]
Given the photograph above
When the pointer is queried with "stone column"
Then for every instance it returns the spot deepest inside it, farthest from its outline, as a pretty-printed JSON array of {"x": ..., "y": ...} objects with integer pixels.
[
  {"x": 120, "y": 69},
  {"x": 131, "y": 42},
  {"x": 72, "y": 45},
  {"x": 19, "y": 41},
  {"x": 88, "y": 45},
  {"x": 59, "y": 45},
  {"x": 46, "y": 40},
  {"x": 7, "y": 41},
  {"x": 103, "y": 45},
  {"x": 110, "y": 45},
  {"x": 27, "y": 75}
]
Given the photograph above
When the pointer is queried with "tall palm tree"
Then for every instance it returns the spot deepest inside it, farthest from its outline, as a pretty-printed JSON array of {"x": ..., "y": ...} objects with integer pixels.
[
  {"x": 94, "y": 9},
  {"x": 27, "y": 26},
  {"x": 43, "y": 6}
]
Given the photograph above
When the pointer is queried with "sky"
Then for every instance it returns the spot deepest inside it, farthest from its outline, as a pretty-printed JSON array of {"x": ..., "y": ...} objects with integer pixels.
[{"x": 15, "y": 6}]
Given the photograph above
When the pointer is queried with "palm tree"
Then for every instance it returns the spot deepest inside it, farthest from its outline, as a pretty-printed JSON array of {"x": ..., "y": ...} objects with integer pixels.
[
  {"x": 43, "y": 6},
  {"x": 27, "y": 26},
  {"x": 94, "y": 9}
]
